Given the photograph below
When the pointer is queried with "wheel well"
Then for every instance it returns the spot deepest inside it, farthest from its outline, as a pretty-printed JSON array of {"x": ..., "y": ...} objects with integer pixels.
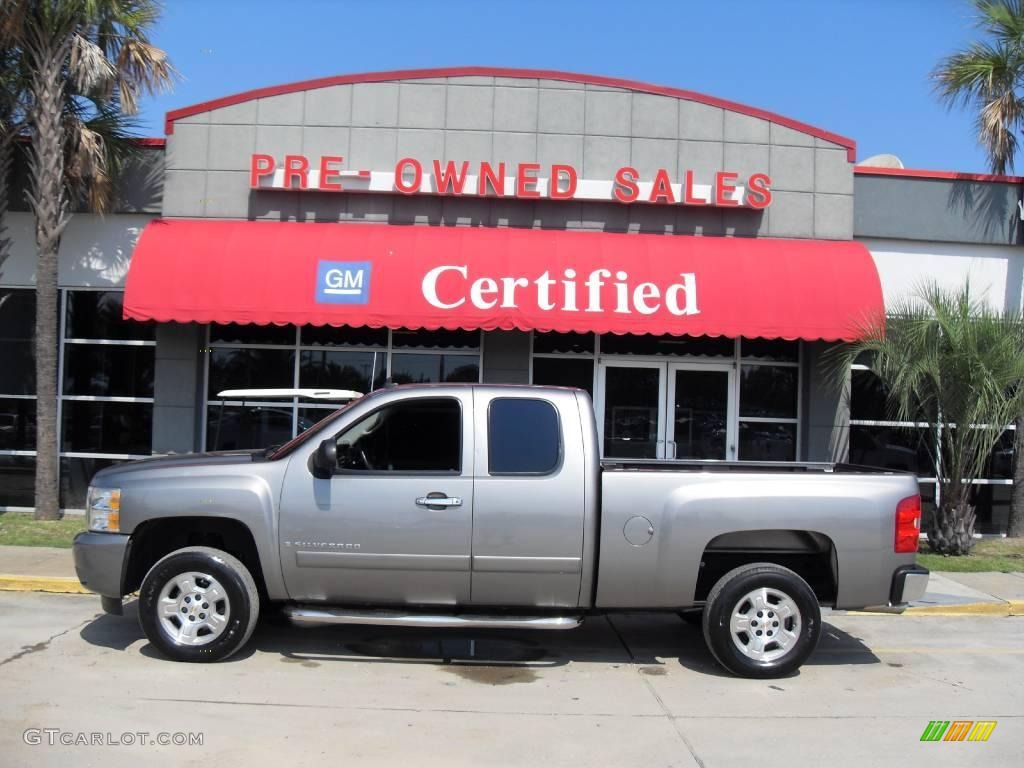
[
  {"x": 810, "y": 554},
  {"x": 154, "y": 539}
]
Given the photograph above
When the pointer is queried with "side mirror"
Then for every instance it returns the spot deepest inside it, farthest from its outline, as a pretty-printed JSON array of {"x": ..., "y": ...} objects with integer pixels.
[{"x": 325, "y": 460}]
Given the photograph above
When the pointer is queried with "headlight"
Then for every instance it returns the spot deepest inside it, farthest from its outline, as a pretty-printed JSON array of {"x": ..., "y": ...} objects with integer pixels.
[{"x": 103, "y": 506}]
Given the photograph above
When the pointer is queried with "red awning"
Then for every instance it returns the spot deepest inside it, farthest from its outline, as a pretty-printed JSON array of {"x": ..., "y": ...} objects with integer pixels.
[{"x": 470, "y": 277}]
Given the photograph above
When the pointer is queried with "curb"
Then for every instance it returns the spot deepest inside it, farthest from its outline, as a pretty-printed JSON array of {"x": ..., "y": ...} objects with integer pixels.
[
  {"x": 61, "y": 584},
  {"x": 1007, "y": 608}
]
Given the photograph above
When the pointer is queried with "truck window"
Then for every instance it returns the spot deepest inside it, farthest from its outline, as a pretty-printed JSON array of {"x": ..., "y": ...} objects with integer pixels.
[
  {"x": 420, "y": 435},
  {"x": 523, "y": 437}
]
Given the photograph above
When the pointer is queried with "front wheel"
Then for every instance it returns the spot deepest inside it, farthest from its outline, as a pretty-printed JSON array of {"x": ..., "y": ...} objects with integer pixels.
[
  {"x": 761, "y": 620},
  {"x": 198, "y": 604}
]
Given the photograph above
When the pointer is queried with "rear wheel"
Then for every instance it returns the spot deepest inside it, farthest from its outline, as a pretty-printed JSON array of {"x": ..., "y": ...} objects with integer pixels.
[
  {"x": 761, "y": 620},
  {"x": 198, "y": 604}
]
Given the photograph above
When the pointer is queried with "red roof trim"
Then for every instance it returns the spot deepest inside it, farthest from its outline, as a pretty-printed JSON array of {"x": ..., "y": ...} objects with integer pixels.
[
  {"x": 918, "y": 173},
  {"x": 572, "y": 77},
  {"x": 150, "y": 142}
]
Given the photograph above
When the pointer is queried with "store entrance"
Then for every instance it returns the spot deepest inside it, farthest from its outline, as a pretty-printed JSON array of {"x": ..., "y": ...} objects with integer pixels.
[{"x": 666, "y": 410}]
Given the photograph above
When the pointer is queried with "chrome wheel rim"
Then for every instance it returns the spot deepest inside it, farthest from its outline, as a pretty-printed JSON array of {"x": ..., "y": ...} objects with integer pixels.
[
  {"x": 765, "y": 624},
  {"x": 193, "y": 609}
]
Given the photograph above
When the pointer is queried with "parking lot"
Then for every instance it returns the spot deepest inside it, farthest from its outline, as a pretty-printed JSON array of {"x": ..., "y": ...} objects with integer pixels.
[{"x": 632, "y": 690}]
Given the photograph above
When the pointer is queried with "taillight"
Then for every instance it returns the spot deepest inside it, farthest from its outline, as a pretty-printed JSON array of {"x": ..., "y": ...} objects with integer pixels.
[{"x": 908, "y": 524}]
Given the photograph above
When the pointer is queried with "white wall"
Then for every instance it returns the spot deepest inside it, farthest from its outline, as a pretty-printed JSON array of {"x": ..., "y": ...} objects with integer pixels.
[
  {"x": 995, "y": 271},
  {"x": 94, "y": 250}
]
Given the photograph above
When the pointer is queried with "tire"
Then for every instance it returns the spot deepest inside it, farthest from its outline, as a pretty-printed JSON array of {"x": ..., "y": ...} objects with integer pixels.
[
  {"x": 213, "y": 590},
  {"x": 760, "y": 593}
]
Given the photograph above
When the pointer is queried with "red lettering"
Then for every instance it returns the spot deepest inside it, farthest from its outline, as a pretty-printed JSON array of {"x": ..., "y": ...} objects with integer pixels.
[
  {"x": 662, "y": 189},
  {"x": 296, "y": 166},
  {"x": 724, "y": 186},
  {"x": 526, "y": 185},
  {"x": 759, "y": 193},
  {"x": 326, "y": 161},
  {"x": 688, "y": 197},
  {"x": 260, "y": 165},
  {"x": 488, "y": 176},
  {"x": 626, "y": 189},
  {"x": 557, "y": 171},
  {"x": 449, "y": 181},
  {"x": 408, "y": 188}
]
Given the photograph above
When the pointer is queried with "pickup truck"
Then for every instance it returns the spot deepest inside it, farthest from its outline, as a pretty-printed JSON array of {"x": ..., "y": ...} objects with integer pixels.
[{"x": 488, "y": 506}]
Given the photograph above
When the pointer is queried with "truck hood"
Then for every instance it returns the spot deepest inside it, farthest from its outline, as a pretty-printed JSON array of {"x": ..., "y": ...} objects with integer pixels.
[{"x": 175, "y": 464}]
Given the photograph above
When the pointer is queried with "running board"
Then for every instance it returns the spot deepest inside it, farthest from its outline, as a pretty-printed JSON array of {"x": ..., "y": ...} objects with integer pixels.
[{"x": 306, "y": 614}]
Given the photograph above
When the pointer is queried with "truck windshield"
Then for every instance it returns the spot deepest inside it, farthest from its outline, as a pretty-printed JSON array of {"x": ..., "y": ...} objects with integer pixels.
[{"x": 279, "y": 451}]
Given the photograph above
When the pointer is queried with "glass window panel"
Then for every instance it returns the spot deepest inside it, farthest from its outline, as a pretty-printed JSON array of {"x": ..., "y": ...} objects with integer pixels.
[
  {"x": 248, "y": 427},
  {"x": 17, "y": 481},
  {"x": 561, "y": 343},
  {"x": 867, "y": 397},
  {"x": 342, "y": 369},
  {"x": 440, "y": 339},
  {"x": 75, "y": 476},
  {"x": 17, "y": 368},
  {"x": 1000, "y": 462},
  {"x": 777, "y": 350},
  {"x": 421, "y": 435},
  {"x": 98, "y": 315},
  {"x": 329, "y": 336},
  {"x": 523, "y": 437},
  {"x": 630, "y": 344},
  {"x": 17, "y": 425},
  {"x": 631, "y": 412},
  {"x": 250, "y": 369},
  {"x": 891, "y": 448},
  {"x": 415, "y": 369},
  {"x": 236, "y": 333},
  {"x": 108, "y": 370},
  {"x": 564, "y": 372},
  {"x": 309, "y": 417},
  {"x": 699, "y": 414},
  {"x": 764, "y": 441},
  {"x": 17, "y": 314},
  {"x": 768, "y": 391},
  {"x": 992, "y": 507},
  {"x": 107, "y": 427}
]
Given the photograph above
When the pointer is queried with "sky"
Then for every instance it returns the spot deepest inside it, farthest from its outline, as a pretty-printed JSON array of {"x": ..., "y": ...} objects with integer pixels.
[{"x": 859, "y": 68}]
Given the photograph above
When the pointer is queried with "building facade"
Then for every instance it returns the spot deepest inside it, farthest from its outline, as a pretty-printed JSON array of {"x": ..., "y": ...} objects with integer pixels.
[{"x": 685, "y": 259}]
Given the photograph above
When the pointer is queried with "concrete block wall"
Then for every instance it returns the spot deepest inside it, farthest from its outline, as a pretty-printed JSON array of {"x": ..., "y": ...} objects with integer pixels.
[{"x": 597, "y": 128}]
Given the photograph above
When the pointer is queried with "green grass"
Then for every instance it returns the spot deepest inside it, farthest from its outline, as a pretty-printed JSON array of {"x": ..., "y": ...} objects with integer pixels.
[
  {"x": 1005, "y": 555},
  {"x": 19, "y": 529}
]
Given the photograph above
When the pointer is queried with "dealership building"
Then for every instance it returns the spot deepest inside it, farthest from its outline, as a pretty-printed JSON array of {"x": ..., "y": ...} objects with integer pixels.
[{"x": 686, "y": 259}]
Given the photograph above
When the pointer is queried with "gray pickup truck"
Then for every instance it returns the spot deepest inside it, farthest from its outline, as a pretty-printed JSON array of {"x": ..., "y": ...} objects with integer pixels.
[{"x": 479, "y": 506}]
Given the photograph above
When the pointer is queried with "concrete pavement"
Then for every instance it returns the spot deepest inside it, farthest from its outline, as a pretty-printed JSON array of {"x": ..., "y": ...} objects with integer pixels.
[{"x": 632, "y": 689}]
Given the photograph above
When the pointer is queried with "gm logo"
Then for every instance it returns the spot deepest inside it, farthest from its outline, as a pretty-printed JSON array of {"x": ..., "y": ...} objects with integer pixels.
[{"x": 343, "y": 282}]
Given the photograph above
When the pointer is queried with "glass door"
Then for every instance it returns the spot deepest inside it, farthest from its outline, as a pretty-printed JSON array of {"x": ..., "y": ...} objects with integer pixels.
[
  {"x": 631, "y": 410},
  {"x": 700, "y": 407},
  {"x": 666, "y": 411}
]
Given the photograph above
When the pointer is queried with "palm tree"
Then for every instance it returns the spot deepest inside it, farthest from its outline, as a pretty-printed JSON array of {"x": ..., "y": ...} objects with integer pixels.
[
  {"x": 986, "y": 78},
  {"x": 98, "y": 49},
  {"x": 946, "y": 360}
]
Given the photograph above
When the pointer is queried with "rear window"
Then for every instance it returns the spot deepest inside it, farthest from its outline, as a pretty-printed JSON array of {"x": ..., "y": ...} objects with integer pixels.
[{"x": 523, "y": 437}]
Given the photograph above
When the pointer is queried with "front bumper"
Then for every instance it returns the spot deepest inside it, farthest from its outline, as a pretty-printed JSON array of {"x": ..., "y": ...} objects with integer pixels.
[
  {"x": 909, "y": 583},
  {"x": 99, "y": 563}
]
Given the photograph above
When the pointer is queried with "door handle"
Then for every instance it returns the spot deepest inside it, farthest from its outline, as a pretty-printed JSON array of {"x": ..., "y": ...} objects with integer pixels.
[{"x": 438, "y": 500}]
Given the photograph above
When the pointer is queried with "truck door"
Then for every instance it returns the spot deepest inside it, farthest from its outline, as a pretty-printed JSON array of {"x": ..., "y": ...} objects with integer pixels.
[
  {"x": 528, "y": 501},
  {"x": 394, "y": 523}
]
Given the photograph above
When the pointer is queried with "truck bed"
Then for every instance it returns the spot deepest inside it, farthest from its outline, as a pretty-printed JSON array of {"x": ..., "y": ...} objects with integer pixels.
[{"x": 695, "y": 465}]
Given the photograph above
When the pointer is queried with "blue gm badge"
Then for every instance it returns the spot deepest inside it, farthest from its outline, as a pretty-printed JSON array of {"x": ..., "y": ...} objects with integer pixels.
[{"x": 343, "y": 282}]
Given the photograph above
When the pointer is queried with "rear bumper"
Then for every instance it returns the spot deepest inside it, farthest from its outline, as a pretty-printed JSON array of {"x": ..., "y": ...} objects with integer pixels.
[
  {"x": 99, "y": 562},
  {"x": 909, "y": 583}
]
